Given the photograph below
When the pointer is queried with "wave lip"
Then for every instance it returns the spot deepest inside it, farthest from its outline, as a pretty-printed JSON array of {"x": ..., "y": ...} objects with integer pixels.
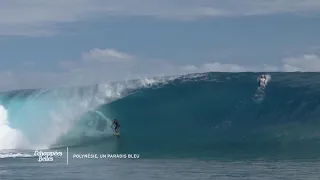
[{"x": 42, "y": 118}]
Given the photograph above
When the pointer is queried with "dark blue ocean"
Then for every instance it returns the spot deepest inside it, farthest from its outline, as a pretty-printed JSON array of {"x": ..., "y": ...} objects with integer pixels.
[{"x": 196, "y": 126}]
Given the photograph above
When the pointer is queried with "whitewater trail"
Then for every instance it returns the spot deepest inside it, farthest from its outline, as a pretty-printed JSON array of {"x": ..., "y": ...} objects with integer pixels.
[{"x": 259, "y": 95}]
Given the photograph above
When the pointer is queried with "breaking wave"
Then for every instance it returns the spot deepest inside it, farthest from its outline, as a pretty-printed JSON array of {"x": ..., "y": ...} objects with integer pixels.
[{"x": 208, "y": 114}]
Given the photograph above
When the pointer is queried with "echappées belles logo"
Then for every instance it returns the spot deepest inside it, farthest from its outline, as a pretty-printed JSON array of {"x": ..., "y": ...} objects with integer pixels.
[{"x": 47, "y": 156}]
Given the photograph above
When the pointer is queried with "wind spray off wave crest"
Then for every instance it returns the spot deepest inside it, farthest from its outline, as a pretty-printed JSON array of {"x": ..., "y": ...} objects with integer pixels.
[{"x": 49, "y": 117}]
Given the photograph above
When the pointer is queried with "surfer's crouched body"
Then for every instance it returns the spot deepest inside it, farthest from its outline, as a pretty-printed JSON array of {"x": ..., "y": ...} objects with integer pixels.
[
  {"x": 262, "y": 81},
  {"x": 117, "y": 125}
]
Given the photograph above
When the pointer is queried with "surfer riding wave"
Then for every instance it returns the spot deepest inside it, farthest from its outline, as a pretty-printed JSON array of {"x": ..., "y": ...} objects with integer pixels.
[
  {"x": 262, "y": 81},
  {"x": 116, "y": 125}
]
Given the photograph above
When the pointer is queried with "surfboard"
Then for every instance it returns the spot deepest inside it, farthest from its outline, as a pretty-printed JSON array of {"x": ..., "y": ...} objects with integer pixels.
[{"x": 116, "y": 134}]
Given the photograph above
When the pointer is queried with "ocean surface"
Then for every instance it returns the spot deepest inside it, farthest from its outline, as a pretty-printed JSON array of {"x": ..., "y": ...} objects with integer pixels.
[{"x": 196, "y": 126}]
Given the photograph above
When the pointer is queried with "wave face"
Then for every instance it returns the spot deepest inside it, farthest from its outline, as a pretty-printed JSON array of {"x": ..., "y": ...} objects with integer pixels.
[{"x": 211, "y": 114}]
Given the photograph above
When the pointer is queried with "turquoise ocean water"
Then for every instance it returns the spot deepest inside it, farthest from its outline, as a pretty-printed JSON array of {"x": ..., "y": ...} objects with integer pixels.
[{"x": 197, "y": 126}]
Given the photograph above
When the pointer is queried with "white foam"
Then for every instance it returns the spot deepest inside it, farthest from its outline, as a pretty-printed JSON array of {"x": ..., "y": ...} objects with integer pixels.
[
  {"x": 59, "y": 115},
  {"x": 15, "y": 155},
  {"x": 268, "y": 79},
  {"x": 10, "y": 138}
]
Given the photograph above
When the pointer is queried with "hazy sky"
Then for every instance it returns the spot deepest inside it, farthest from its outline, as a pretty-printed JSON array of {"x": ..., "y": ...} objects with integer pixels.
[{"x": 64, "y": 42}]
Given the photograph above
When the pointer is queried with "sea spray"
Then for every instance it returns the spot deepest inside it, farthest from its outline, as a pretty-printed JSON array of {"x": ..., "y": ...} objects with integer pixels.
[
  {"x": 45, "y": 117},
  {"x": 10, "y": 138}
]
